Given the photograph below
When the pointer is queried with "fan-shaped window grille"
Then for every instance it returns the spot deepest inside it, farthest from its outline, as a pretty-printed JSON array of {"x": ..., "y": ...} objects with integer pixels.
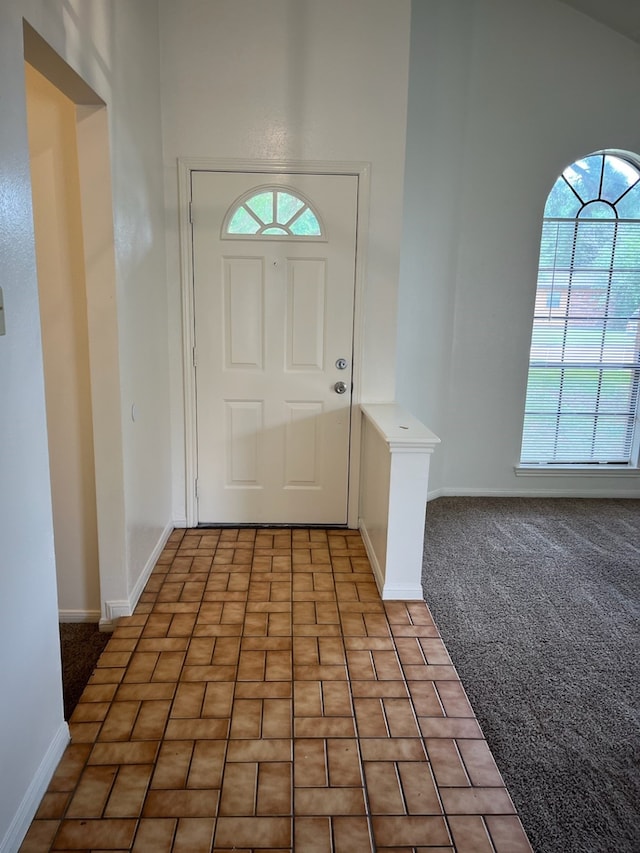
[
  {"x": 584, "y": 367},
  {"x": 272, "y": 212}
]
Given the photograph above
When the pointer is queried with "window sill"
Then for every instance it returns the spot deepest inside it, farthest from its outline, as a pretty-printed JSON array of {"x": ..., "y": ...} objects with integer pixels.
[{"x": 576, "y": 471}]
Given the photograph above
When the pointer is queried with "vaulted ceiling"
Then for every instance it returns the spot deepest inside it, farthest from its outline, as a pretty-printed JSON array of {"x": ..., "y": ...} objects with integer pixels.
[{"x": 623, "y": 16}]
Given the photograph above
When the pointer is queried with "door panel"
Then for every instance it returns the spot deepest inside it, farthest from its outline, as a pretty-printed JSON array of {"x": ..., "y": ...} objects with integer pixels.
[
  {"x": 301, "y": 444},
  {"x": 244, "y": 423},
  {"x": 306, "y": 287},
  {"x": 273, "y": 314},
  {"x": 243, "y": 313}
]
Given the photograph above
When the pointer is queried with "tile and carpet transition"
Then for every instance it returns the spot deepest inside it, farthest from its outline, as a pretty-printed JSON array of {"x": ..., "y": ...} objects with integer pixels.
[{"x": 263, "y": 697}]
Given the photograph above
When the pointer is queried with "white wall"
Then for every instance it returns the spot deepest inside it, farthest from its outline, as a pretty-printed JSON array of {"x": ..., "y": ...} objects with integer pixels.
[
  {"x": 301, "y": 80},
  {"x": 143, "y": 322},
  {"x": 515, "y": 91},
  {"x": 114, "y": 47},
  {"x": 438, "y": 102}
]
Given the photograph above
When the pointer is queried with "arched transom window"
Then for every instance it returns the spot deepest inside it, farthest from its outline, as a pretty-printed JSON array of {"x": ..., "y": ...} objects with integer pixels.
[
  {"x": 584, "y": 368},
  {"x": 272, "y": 212}
]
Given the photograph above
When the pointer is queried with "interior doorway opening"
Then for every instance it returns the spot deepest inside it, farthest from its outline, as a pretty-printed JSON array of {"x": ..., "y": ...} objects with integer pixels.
[
  {"x": 73, "y": 226},
  {"x": 65, "y": 345}
]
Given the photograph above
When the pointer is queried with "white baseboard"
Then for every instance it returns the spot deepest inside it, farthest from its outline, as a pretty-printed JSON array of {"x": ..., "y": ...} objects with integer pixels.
[
  {"x": 371, "y": 554},
  {"x": 113, "y": 610},
  {"x": 136, "y": 592},
  {"x": 387, "y": 592},
  {"x": 35, "y": 792},
  {"x": 78, "y": 615},
  {"x": 402, "y": 593},
  {"x": 454, "y": 492}
]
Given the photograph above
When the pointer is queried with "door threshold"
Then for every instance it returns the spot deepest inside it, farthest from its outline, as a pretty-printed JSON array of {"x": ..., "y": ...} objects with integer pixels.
[{"x": 259, "y": 526}]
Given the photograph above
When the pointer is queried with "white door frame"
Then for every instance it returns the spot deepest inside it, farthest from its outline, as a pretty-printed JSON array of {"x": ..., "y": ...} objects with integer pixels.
[{"x": 187, "y": 165}]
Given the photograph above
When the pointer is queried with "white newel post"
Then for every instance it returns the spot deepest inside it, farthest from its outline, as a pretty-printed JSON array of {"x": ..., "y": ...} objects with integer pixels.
[{"x": 394, "y": 478}]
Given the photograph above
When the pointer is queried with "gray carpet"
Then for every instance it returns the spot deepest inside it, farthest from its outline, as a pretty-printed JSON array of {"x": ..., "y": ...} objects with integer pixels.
[{"x": 538, "y": 602}]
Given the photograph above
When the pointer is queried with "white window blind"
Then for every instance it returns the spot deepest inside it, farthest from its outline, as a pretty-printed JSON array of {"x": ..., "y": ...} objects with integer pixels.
[{"x": 584, "y": 368}]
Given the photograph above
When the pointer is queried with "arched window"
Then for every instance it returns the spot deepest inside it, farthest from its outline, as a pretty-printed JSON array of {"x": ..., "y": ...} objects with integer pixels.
[
  {"x": 272, "y": 212},
  {"x": 584, "y": 369}
]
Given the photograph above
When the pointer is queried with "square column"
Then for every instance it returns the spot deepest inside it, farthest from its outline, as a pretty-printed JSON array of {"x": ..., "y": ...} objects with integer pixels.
[{"x": 394, "y": 479}]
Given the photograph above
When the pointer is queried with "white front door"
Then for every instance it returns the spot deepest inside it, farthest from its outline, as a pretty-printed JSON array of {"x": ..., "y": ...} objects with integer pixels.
[{"x": 274, "y": 266}]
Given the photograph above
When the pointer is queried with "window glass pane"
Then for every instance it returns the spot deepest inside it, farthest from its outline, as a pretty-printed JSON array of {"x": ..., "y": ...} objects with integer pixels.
[
  {"x": 579, "y": 390},
  {"x": 616, "y": 391},
  {"x": 287, "y": 206},
  {"x": 556, "y": 244},
  {"x": 575, "y": 438},
  {"x": 629, "y": 206},
  {"x": 242, "y": 223},
  {"x": 546, "y": 340},
  {"x": 624, "y": 302},
  {"x": 562, "y": 201},
  {"x": 539, "y": 438},
  {"x": 597, "y": 210},
  {"x": 551, "y": 294},
  {"x": 272, "y": 212},
  {"x": 588, "y": 295},
  {"x": 627, "y": 249},
  {"x": 546, "y": 282},
  {"x": 594, "y": 244},
  {"x": 306, "y": 225},
  {"x": 585, "y": 282},
  {"x": 612, "y": 434},
  {"x": 620, "y": 342},
  {"x": 582, "y": 341},
  {"x": 543, "y": 390},
  {"x": 553, "y": 299},
  {"x": 618, "y": 177},
  {"x": 262, "y": 206},
  {"x": 584, "y": 177}
]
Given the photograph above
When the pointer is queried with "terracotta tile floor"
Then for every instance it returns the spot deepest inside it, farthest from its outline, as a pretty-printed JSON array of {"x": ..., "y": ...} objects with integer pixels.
[{"x": 263, "y": 697}]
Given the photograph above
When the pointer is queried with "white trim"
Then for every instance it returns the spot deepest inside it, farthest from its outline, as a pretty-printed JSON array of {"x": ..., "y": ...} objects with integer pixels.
[
  {"x": 387, "y": 592},
  {"x": 185, "y": 168},
  {"x": 21, "y": 822},
  {"x": 362, "y": 254},
  {"x": 403, "y": 593},
  {"x": 140, "y": 584},
  {"x": 533, "y": 493},
  {"x": 371, "y": 554},
  {"x": 187, "y": 165},
  {"x": 113, "y": 610},
  {"x": 576, "y": 471},
  {"x": 78, "y": 615},
  {"x": 399, "y": 429}
]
